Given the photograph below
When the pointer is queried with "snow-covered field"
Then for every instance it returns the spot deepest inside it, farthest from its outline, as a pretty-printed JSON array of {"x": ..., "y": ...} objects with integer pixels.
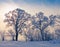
[{"x": 29, "y": 44}]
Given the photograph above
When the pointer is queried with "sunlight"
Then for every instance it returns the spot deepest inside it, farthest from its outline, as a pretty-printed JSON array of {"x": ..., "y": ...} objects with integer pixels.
[{"x": 5, "y": 8}]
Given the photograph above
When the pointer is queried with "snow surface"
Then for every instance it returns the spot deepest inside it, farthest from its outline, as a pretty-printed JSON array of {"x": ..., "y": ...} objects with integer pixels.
[{"x": 29, "y": 44}]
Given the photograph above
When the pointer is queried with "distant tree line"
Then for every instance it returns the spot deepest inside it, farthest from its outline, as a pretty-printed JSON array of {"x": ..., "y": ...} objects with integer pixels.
[{"x": 35, "y": 28}]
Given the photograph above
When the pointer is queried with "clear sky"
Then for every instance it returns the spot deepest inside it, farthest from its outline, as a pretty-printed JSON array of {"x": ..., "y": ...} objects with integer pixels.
[{"x": 31, "y": 6}]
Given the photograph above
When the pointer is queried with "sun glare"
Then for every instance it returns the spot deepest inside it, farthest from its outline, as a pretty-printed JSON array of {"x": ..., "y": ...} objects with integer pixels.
[{"x": 5, "y": 8}]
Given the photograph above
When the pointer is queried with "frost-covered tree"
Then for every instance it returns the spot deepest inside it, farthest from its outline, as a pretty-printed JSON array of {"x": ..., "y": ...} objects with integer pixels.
[
  {"x": 2, "y": 35},
  {"x": 55, "y": 23},
  {"x": 52, "y": 20},
  {"x": 16, "y": 19},
  {"x": 43, "y": 23},
  {"x": 32, "y": 27},
  {"x": 57, "y": 27},
  {"x": 12, "y": 34},
  {"x": 57, "y": 33}
]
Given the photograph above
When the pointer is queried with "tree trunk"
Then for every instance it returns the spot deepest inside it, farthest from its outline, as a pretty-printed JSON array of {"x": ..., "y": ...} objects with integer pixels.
[
  {"x": 41, "y": 30},
  {"x": 16, "y": 36},
  {"x": 13, "y": 38},
  {"x": 42, "y": 35},
  {"x": 3, "y": 38}
]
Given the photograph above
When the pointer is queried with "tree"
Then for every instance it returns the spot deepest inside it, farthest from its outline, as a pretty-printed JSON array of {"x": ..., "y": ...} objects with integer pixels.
[
  {"x": 57, "y": 32},
  {"x": 12, "y": 34},
  {"x": 57, "y": 25},
  {"x": 43, "y": 23},
  {"x": 16, "y": 19},
  {"x": 52, "y": 20},
  {"x": 48, "y": 36},
  {"x": 2, "y": 35}
]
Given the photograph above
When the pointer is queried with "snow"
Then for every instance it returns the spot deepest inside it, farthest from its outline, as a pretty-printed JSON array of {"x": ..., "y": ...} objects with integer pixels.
[{"x": 29, "y": 44}]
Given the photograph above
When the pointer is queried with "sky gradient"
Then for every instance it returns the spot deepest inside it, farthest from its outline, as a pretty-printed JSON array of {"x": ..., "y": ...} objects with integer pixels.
[
  {"x": 36, "y": 2},
  {"x": 32, "y": 5},
  {"x": 48, "y": 7}
]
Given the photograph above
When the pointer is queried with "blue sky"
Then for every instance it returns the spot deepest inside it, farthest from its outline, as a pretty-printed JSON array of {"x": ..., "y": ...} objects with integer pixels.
[
  {"x": 36, "y": 2},
  {"x": 46, "y": 2}
]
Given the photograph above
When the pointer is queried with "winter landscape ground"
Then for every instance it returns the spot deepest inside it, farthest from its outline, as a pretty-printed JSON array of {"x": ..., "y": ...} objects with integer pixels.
[{"x": 30, "y": 44}]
